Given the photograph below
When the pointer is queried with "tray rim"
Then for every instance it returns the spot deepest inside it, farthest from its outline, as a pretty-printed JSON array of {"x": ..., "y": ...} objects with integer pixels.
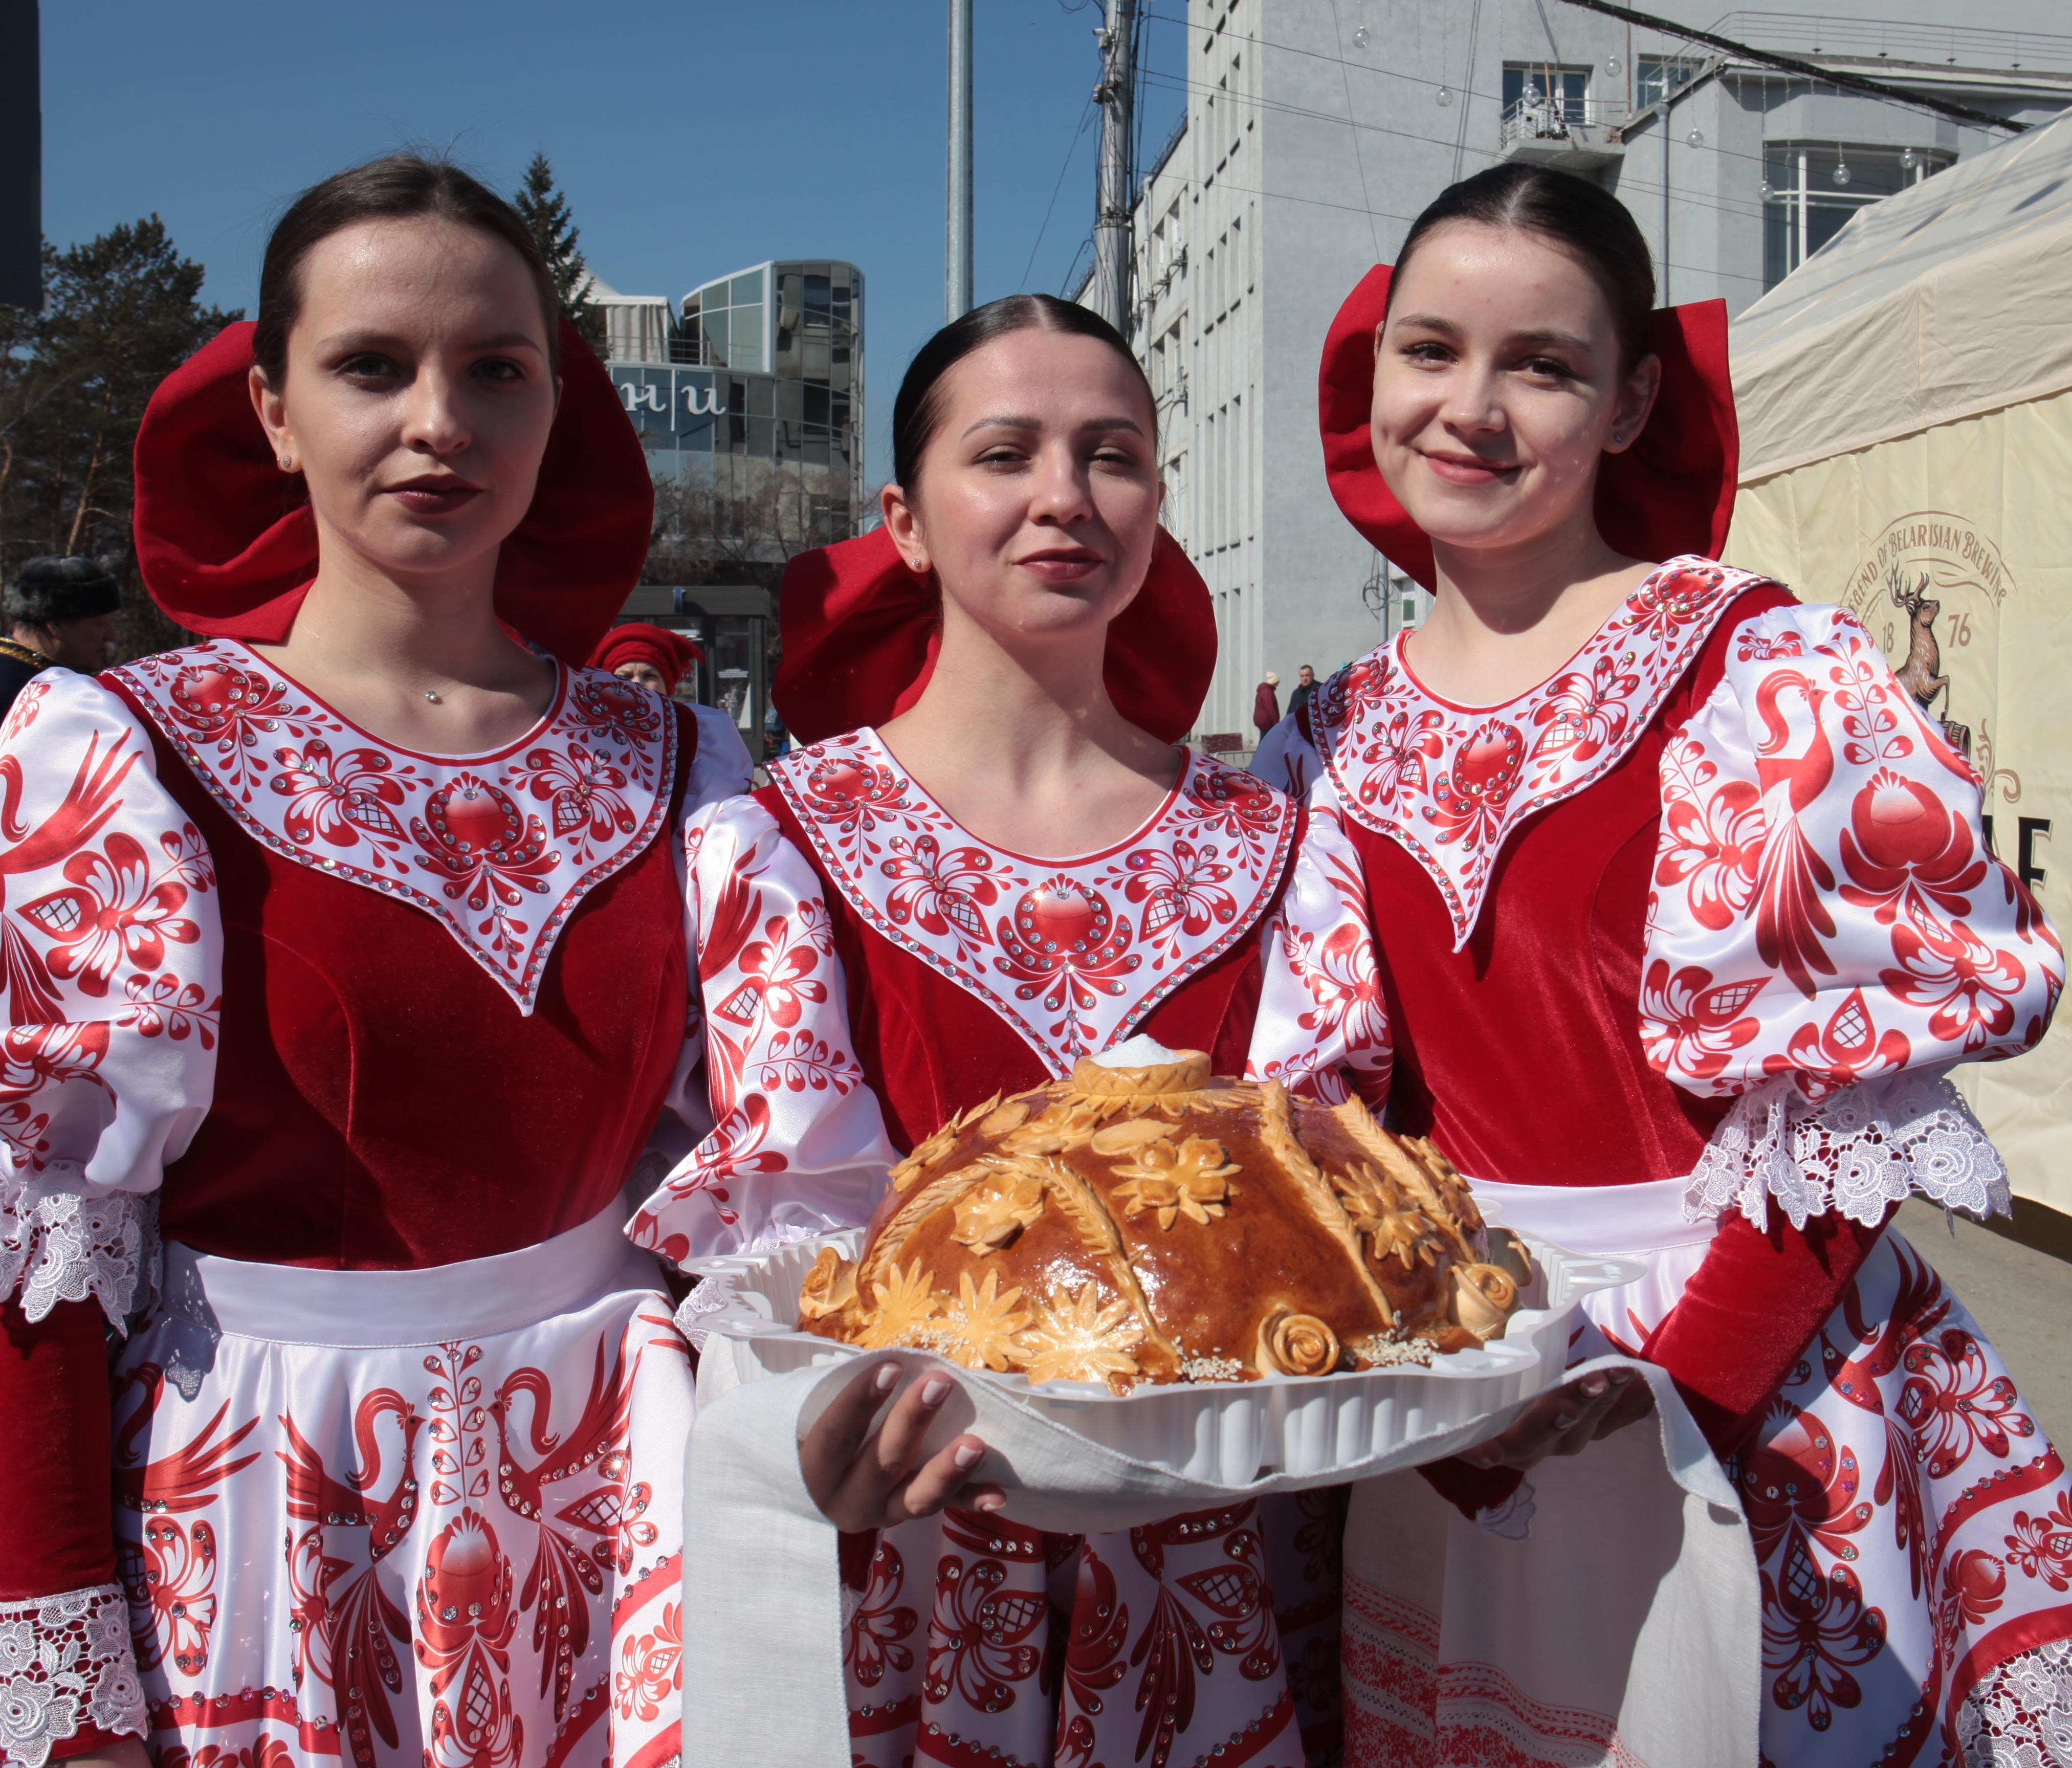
[{"x": 1496, "y": 1361}]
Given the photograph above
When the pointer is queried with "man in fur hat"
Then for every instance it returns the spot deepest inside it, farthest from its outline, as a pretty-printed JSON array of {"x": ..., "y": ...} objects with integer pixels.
[{"x": 60, "y": 611}]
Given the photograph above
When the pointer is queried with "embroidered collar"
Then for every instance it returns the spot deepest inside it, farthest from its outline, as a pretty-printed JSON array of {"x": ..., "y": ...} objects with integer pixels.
[
  {"x": 500, "y": 848},
  {"x": 1451, "y": 782},
  {"x": 1072, "y": 953}
]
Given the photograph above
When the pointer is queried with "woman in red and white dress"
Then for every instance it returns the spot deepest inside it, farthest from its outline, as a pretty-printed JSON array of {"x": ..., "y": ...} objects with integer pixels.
[
  {"x": 345, "y": 978},
  {"x": 1001, "y": 673},
  {"x": 1684, "y": 910}
]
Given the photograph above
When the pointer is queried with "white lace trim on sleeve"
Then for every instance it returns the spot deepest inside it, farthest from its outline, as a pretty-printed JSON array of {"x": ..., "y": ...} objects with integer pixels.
[
  {"x": 59, "y": 1242},
  {"x": 1857, "y": 1149},
  {"x": 65, "y": 1662}
]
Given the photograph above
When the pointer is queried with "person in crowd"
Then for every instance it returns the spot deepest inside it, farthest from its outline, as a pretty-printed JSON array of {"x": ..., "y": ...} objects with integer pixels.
[
  {"x": 1685, "y": 913},
  {"x": 1266, "y": 703},
  {"x": 982, "y": 866},
  {"x": 651, "y": 656},
  {"x": 325, "y": 1065},
  {"x": 60, "y": 611},
  {"x": 1305, "y": 684}
]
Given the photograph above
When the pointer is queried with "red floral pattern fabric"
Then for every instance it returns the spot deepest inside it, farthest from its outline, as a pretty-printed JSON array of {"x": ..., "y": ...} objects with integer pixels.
[
  {"x": 500, "y": 848},
  {"x": 799, "y": 1146},
  {"x": 1826, "y": 933},
  {"x": 1451, "y": 782},
  {"x": 467, "y": 1549},
  {"x": 1072, "y": 954},
  {"x": 1913, "y": 1531}
]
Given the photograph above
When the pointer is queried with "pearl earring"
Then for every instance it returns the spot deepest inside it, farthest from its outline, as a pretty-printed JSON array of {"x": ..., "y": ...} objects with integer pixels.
[{"x": 287, "y": 465}]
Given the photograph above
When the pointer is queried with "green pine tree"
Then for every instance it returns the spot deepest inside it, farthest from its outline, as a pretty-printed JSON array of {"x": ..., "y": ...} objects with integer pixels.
[
  {"x": 120, "y": 313},
  {"x": 546, "y": 212}
]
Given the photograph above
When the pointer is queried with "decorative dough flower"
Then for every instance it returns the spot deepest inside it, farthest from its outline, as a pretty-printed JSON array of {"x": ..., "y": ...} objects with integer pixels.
[
  {"x": 989, "y": 1216},
  {"x": 1083, "y": 1341},
  {"x": 830, "y": 1286},
  {"x": 1483, "y": 1297},
  {"x": 906, "y": 1303},
  {"x": 982, "y": 1327},
  {"x": 1192, "y": 1180},
  {"x": 1296, "y": 1344},
  {"x": 1066, "y": 1123}
]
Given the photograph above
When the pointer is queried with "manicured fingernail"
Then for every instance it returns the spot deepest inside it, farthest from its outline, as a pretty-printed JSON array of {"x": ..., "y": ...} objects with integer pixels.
[
  {"x": 886, "y": 1377},
  {"x": 935, "y": 1391},
  {"x": 969, "y": 1456},
  {"x": 1621, "y": 1377},
  {"x": 1566, "y": 1421},
  {"x": 1593, "y": 1385},
  {"x": 990, "y": 1503}
]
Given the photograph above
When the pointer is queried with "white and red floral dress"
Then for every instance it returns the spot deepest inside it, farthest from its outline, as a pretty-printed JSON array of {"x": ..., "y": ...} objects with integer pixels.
[
  {"x": 325, "y": 1064},
  {"x": 870, "y": 967},
  {"x": 1676, "y": 950}
]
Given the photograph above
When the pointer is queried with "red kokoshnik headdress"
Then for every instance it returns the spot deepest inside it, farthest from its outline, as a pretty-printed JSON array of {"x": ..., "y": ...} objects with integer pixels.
[
  {"x": 860, "y": 631},
  {"x": 227, "y": 545},
  {"x": 1672, "y": 491}
]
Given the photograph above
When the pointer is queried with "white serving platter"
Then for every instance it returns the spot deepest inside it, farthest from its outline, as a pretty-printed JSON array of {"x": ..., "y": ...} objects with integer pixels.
[{"x": 1228, "y": 1433}]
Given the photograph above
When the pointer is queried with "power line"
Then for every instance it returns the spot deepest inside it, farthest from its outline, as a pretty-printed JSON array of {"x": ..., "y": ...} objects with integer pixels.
[
  {"x": 1811, "y": 70},
  {"x": 1071, "y": 153},
  {"x": 1339, "y": 30},
  {"x": 1631, "y": 174}
]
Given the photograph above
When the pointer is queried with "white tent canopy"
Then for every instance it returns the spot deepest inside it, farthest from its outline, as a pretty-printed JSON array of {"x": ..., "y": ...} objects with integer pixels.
[{"x": 1951, "y": 298}]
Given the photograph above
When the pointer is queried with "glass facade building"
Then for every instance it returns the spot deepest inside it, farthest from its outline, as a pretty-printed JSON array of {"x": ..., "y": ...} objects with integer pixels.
[{"x": 764, "y": 364}]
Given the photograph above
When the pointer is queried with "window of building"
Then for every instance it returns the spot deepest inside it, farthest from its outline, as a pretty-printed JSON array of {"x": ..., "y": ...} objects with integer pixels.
[
  {"x": 1658, "y": 77},
  {"x": 1546, "y": 96},
  {"x": 1811, "y": 189}
]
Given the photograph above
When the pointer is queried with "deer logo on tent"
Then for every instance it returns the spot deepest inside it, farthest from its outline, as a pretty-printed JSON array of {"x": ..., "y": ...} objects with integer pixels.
[{"x": 1921, "y": 673}]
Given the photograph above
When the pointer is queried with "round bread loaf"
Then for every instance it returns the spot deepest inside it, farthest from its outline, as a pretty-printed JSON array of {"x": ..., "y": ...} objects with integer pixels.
[{"x": 1155, "y": 1223}]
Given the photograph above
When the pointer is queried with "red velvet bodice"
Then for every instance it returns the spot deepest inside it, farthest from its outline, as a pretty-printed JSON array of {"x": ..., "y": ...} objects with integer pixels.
[
  {"x": 381, "y": 1102},
  {"x": 1520, "y": 1054},
  {"x": 930, "y": 1048}
]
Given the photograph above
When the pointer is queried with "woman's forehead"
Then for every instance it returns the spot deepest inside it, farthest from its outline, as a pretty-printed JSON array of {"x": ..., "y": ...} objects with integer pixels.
[
  {"x": 395, "y": 267},
  {"x": 1468, "y": 273},
  {"x": 1039, "y": 373}
]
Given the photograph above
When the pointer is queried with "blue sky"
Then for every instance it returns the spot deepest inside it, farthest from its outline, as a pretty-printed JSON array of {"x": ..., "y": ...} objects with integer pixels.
[{"x": 692, "y": 137}]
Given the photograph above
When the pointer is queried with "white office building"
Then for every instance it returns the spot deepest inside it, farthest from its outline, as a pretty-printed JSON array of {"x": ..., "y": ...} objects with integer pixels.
[{"x": 1315, "y": 131}]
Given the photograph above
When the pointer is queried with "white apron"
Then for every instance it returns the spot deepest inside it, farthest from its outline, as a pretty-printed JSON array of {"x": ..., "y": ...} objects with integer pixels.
[
  {"x": 1888, "y": 1576},
  {"x": 447, "y": 1500}
]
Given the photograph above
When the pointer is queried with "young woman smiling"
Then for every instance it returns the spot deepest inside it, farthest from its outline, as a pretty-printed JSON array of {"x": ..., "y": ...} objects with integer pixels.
[
  {"x": 1684, "y": 910},
  {"x": 317, "y": 968},
  {"x": 989, "y": 861}
]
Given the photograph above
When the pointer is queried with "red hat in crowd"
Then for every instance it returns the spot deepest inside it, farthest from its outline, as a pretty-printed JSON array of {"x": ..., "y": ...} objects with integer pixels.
[
  {"x": 1672, "y": 491},
  {"x": 861, "y": 631},
  {"x": 670, "y": 652},
  {"x": 228, "y": 545}
]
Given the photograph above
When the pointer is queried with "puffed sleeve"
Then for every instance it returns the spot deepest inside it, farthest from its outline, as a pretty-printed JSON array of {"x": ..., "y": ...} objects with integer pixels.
[
  {"x": 798, "y": 1144},
  {"x": 1323, "y": 1026},
  {"x": 1829, "y": 933},
  {"x": 113, "y": 956}
]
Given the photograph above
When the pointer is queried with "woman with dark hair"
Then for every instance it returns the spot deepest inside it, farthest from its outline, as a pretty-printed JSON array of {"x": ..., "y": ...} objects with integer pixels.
[
  {"x": 1683, "y": 912},
  {"x": 988, "y": 860},
  {"x": 323, "y": 1075}
]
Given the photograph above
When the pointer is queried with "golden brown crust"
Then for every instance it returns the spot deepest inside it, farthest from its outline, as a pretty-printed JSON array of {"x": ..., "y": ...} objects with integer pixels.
[{"x": 1157, "y": 1224}]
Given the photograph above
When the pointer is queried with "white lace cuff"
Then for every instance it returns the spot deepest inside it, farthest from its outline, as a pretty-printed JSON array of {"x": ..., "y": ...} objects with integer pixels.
[
  {"x": 1857, "y": 1149},
  {"x": 60, "y": 1242},
  {"x": 65, "y": 1662}
]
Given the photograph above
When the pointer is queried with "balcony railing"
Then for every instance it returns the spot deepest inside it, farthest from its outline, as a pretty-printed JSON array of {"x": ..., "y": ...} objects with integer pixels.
[
  {"x": 1580, "y": 123},
  {"x": 1958, "y": 45}
]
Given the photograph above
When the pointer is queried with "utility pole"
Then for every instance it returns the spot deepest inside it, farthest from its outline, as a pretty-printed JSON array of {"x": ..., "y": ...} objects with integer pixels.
[
  {"x": 1115, "y": 95},
  {"x": 957, "y": 239}
]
